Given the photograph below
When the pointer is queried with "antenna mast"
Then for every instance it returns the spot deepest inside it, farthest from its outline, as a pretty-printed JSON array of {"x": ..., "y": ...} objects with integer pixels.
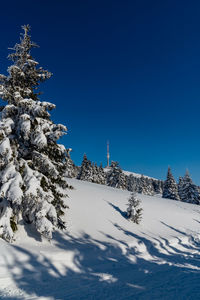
[{"x": 108, "y": 155}]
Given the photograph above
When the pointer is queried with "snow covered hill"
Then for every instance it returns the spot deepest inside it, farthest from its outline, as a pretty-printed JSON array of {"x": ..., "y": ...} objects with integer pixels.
[
  {"x": 137, "y": 175},
  {"x": 102, "y": 255}
]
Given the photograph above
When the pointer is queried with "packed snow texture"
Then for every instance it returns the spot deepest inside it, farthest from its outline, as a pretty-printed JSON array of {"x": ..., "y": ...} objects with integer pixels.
[{"x": 103, "y": 255}]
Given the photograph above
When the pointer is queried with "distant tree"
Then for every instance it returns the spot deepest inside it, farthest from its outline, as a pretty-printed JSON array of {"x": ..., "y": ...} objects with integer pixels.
[
  {"x": 180, "y": 187},
  {"x": 188, "y": 191},
  {"x": 132, "y": 183},
  {"x": 70, "y": 168},
  {"x": 86, "y": 170},
  {"x": 102, "y": 175},
  {"x": 157, "y": 186},
  {"x": 134, "y": 211},
  {"x": 145, "y": 186},
  {"x": 116, "y": 177},
  {"x": 95, "y": 173},
  {"x": 170, "y": 189}
]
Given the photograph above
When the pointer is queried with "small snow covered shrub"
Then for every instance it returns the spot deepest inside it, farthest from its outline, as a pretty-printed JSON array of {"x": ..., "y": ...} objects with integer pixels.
[
  {"x": 134, "y": 211},
  {"x": 31, "y": 162}
]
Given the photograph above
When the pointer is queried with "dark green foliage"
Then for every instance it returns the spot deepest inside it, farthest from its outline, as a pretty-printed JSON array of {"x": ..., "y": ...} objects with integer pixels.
[
  {"x": 44, "y": 184},
  {"x": 13, "y": 224}
]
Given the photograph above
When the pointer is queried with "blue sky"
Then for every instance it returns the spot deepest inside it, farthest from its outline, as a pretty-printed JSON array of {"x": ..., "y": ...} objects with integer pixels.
[{"x": 124, "y": 71}]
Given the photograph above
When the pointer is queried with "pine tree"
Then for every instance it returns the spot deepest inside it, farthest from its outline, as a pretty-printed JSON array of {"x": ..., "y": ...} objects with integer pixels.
[
  {"x": 132, "y": 183},
  {"x": 170, "y": 189},
  {"x": 188, "y": 191},
  {"x": 31, "y": 161},
  {"x": 157, "y": 186},
  {"x": 115, "y": 177},
  {"x": 98, "y": 174},
  {"x": 70, "y": 168},
  {"x": 145, "y": 186},
  {"x": 95, "y": 173},
  {"x": 86, "y": 170},
  {"x": 134, "y": 212},
  {"x": 102, "y": 175},
  {"x": 180, "y": 187}
]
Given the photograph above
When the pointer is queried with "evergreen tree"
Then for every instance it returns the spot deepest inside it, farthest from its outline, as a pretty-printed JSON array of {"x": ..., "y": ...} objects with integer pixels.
[
  {"x": 170, "y": 189},
  {"x": 31, "y": 161},
  {"x": 145, "y": 186},
  {"x": 102, "y": 175},
  {"x": 86, "y": 170},
  {"x": 188, "y": 191},
  {"x": 91, "y": 172},
  {"x": 157, "y": 186},
  {"x": 180, "y": 187},
  {"x": 132, "y": 183},
  {"x": 98, "y": 174},
  {"x": 115, "y": 177},
  {"x": 198, "y": 189},
  {"x": 95, "y": 173},
  {"x": 150, "y": 190},
  {"x": 70, "y": 168},
  {"x": 134, "y": 212}
]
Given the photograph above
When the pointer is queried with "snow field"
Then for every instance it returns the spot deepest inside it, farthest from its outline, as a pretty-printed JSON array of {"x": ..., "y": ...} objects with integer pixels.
[{"x": 102, "y": 255}]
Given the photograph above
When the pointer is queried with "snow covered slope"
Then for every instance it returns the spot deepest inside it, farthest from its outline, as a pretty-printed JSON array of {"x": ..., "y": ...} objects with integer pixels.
[
  {"x": 103, "y": 255},
  {"x": 131, "y": 173},
  {"x": 137, "y": 175}
]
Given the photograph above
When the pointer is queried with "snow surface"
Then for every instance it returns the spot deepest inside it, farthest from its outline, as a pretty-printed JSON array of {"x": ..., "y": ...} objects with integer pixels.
[
  {"x": 102, "y": 255},
  {"x": 137, "y": 175},
  {"x": 131, "y": 173}
]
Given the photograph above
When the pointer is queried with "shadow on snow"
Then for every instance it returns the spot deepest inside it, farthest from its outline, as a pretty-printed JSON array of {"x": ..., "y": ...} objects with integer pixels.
[{"x": 151, "y": 269}]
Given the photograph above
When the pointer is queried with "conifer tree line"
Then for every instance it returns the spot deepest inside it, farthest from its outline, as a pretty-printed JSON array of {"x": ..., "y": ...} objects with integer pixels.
[
  {"x": 115, "y": 177},
  {"x": 185, "y": 190}
]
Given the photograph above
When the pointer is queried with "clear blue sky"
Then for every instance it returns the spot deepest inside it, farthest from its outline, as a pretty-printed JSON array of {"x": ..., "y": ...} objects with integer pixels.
[{"x": 127, "y": 71}]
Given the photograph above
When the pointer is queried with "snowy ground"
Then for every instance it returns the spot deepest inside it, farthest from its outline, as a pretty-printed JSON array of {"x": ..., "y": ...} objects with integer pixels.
[{"x": 103, "y": 255}]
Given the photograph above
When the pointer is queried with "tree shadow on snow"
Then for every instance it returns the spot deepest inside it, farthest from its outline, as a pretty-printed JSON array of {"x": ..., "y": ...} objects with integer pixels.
[
  {"x": 116, "y": 208},
  {"x": 149, "y": 269},
  {"x": 196, "y": 221},
  {"x": 32, "y": 232}
]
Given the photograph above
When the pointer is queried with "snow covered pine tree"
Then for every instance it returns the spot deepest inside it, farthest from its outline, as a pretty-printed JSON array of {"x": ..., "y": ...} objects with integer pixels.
[
  {"x": 102, "y": 175},
  {"x": 188, "y": 191},
  {"x": 134, "y": 212},
  {"x": 115, "y": 176},
  {"x": 71, "y": 170},
  {"x": 170, "y": 189},
  {"x": 31, "y": 161},
  {"x": 86, "y": 170},
  {"x": 145, "y": 186}
]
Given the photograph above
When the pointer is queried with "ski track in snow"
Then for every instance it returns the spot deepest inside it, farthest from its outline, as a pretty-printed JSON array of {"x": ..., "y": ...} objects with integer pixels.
[{"x": 102, "y": 255}]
